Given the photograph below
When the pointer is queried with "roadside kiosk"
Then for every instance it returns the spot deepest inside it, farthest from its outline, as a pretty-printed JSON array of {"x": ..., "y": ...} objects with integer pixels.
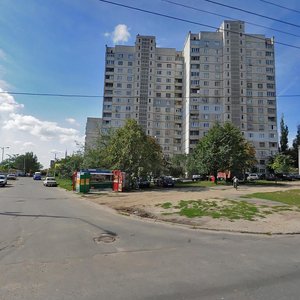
[{"x": 83, "y": 182}]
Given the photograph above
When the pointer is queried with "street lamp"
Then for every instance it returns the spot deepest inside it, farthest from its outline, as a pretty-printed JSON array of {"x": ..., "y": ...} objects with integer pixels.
[{"x": 2, "y": 148}]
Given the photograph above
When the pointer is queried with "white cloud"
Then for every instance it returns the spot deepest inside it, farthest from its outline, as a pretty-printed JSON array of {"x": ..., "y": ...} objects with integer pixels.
[
  {"x": 44, "y": 130},
  {"x": 27, "y": 133},
  {"x": 120, "y": 34},
  {"x": 71, "y": 120},
  {"x": 8, "y": 103},
  {"x": 2, "y": 55}
]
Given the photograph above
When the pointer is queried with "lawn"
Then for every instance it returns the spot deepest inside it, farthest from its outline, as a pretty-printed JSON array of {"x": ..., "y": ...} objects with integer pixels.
[
  {"x": 228, "y": 209},
  {"x": 64, "y": 183},
  {"x": 290, "y": 197}
]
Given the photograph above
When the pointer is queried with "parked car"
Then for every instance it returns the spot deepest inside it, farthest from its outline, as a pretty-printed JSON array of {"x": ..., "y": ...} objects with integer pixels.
[
  {"x": 252, "y": 176},
  {"x": 11, "y": 177},
  {"x": 143, "y": 183},
  {"x": 196, "y": 177},
  {"x": 50, "y": 181},
  {"x": 37, "y": 176},
  {"x": 165, "y": 181},
  {"x": 3, "y": 180}
]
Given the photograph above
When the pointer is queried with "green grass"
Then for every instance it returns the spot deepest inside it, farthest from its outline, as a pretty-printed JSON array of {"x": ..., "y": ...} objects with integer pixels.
[
  {"x": 232, "y": 210},
  {"x": 166, "y": 205},
  {"x": 64, "y": 183},
  {"x": 290, "y": 197}
]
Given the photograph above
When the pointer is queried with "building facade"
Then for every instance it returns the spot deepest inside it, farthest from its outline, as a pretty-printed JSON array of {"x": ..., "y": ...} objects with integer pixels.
[{"x": 177, "y": 96}]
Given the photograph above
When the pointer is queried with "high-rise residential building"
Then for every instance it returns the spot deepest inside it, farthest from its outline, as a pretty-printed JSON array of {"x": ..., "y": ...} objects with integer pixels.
[
  {"x": 229, "y": 75},
  {"x": 144, "y": 82},
  {"x": 177, "y": 96},
  {"x": 92, "y": 132}
]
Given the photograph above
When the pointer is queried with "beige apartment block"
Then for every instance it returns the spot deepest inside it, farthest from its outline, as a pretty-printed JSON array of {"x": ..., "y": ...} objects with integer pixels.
[{"x": 177, "y": 96}]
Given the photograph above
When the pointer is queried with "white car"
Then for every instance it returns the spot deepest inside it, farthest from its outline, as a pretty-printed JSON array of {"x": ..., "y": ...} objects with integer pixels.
[
  {"x": 11, "y": 176},
  {"x": 3, "y": 180},
  {"x": 252, "y": 176},
  {"x": 50, "y": 181}
]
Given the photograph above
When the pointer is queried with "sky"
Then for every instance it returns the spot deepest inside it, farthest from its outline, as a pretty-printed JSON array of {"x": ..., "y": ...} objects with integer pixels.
[{"x": 58, "y": 47}]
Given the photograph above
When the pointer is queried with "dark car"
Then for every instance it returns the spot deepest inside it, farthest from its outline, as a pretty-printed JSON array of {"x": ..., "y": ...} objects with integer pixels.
[
  {"x": 165, "y": 181},
  {"x": 143, "y": 183}
]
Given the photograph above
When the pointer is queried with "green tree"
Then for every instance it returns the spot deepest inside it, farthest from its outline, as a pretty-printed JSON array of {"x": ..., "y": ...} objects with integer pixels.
[
  {"x": 282, "y": 163},
  {"x": 66, "y": 166},
  {"x": 27, "y": 162},
  {"x": 294, "y": 149},
  {"x": 96, "y": 156},
  {"x": 131, "y": 151},
  {"x": 177, "y": 166},
  {"x": 284, "y": 132},
  {"x": 223, "y": 148}
]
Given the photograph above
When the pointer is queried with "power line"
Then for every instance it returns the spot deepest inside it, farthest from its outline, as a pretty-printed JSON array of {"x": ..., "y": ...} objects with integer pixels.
[
  {"x": 192, "y": 22},
  {"x": 252, "y": 13},
  {"x": 224, "y": 16},
  {"x": 281, "y": 6},
  {"x": 133, "y": 97}
]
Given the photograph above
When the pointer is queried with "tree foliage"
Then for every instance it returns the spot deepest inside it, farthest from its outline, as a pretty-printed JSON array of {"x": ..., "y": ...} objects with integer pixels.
[
  {"x": 97, "y": 156},
  {"x": 281, "y": 163},
  {"x": 223, "y": 148},
  {"x": 131, "y": 151},
  {"x": 284, "y": 132},
  {"x": 177, "y": 165},
  {"x": 27, "y": 163},
  {"x": 66, "y": 166}
]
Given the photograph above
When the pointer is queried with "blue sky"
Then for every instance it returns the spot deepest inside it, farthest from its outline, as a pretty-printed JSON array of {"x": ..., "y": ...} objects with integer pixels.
[{"x": 58, "y": 46}]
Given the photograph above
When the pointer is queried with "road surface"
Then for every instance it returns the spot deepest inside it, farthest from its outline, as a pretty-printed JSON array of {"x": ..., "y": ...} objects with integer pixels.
[{"x": 53, "y": 245}]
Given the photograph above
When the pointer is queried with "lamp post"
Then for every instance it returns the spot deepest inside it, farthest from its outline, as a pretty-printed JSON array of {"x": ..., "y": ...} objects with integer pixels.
[{"x": 2, "y": 148}]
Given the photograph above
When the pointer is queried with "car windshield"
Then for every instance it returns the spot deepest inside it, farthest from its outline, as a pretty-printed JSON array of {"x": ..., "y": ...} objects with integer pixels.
[{"x": 50, "y": 178}]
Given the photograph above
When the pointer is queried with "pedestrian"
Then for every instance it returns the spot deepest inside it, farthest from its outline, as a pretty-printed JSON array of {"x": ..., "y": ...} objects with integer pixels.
[{"x": 235, "y": 182}]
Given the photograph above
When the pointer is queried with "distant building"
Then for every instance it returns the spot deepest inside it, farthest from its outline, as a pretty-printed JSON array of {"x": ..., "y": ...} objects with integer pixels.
[
  {"x": 177, "y": 96},
  {"x": 92, "y": 131}
]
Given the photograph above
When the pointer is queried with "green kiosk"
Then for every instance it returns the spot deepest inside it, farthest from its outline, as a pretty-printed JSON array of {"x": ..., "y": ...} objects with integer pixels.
[{"x": 83, "y": 182}]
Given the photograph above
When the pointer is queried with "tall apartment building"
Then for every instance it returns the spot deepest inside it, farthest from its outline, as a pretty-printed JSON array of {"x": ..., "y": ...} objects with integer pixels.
[
  {"x": 177, "y": 96},
  {"x": 144, "y": 83},
  {"x": 230, "y": 76}
]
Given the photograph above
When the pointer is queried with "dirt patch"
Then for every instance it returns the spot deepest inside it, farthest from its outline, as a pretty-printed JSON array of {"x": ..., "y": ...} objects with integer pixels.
[{"x": 147, "y": 204}]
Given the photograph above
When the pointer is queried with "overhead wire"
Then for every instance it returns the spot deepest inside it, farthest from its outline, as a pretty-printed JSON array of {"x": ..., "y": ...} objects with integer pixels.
[
  {"x": 252, "y": 13},
  {"x": 193, "y": 22},
  {"x": 281, "y": 6},
  {"x": 224, "y": 16},
  {"x": 131, "y": 97}
]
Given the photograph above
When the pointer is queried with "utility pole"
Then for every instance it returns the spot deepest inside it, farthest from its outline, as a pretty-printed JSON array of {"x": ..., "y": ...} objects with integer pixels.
[{"x": 2, "y": 148}]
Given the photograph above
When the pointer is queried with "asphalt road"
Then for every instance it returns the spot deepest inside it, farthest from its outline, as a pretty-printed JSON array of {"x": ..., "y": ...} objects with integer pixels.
[{"x": 49, "y": 250}]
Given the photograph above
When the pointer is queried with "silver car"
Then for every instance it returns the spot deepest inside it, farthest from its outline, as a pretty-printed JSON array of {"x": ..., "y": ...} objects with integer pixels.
[
  {"x": 50, "y": 181},
  {"x": 3, "y": 180}
]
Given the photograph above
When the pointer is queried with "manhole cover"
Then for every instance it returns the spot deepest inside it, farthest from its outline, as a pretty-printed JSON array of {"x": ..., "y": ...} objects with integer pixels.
[{"x": 104, "y": 238}]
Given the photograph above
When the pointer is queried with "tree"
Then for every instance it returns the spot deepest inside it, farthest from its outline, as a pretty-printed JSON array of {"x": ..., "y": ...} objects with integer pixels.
[
  {"x": 223, "y": 148},
  {"x": 284, "y": 132},
  {"x": 282, "y": 163},
  {"x": 66, "y": 166},
  {"x": 96, "y": 156},
  {"x": 131, "y": 151},
  {"x": 178, "y": 165},
  {"x": 27, "y": 162},
  {"x": 294, "y": 149}
]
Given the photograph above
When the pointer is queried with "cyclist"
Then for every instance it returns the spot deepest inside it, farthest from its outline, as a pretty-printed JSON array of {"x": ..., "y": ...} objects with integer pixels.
[{"x": 235, "y": 182}]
